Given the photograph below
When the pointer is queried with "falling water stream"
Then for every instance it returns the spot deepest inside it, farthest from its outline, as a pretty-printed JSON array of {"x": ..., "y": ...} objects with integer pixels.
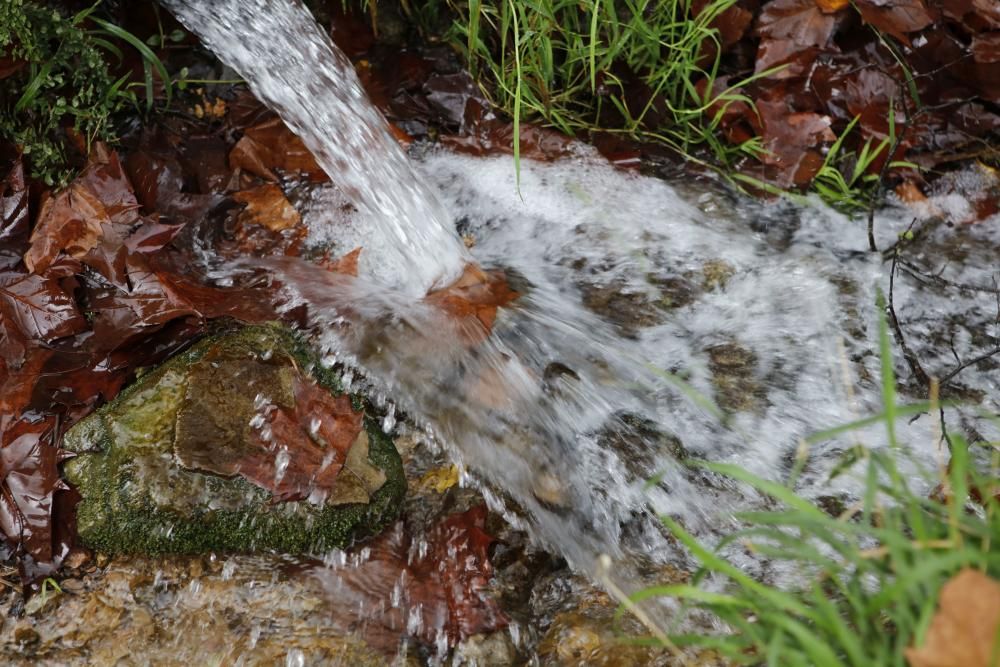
[{"x": 655, "y": 323}]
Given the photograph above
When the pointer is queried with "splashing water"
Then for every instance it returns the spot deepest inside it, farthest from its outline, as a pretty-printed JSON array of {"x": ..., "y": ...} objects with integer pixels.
[
  {"x": 767, "y": 311},
  {"x": 627, "y": 284},
  {"x": 291, "y": 65}
]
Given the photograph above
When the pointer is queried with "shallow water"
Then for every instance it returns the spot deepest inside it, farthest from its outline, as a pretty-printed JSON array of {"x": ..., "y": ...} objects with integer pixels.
[{"x": 767, "y": 311}]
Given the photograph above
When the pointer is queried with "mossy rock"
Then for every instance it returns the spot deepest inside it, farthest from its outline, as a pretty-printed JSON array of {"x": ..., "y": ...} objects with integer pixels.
[{"x": 178, "y": 463}]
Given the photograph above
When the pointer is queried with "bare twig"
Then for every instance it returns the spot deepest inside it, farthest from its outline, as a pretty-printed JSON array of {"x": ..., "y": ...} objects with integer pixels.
[{"x": 897, "y": 330}]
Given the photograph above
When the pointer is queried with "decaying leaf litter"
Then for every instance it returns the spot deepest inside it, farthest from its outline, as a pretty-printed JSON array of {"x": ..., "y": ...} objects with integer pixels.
[{"x": 96, "y": 283}]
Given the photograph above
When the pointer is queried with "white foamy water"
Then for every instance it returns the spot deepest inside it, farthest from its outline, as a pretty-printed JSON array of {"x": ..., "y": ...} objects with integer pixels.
[
  {"x": 770, "y": 310},
  {"x": 292, "y": 66}
]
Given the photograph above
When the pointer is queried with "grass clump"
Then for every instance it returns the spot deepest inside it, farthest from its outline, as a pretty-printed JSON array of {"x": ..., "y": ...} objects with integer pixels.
[
  {"x": 872, "y": 573},
  {"x": 645, "y": 69},
  {"x": 55, "y": 78}
]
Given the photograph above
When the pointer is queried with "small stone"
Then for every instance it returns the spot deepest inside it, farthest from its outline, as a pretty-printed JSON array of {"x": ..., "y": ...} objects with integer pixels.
[
  {"x": 77, "y": 558},
  {"x": 716, "y": 274},
  {"x": 26, "y": 636},
  {"x": 547, "y": 488},
  {"x": 493, "y": 650},
  {"x": 628, "y": 309},
  {"x": 73, "y": 585},
  {"x": 733, "y": 370}
]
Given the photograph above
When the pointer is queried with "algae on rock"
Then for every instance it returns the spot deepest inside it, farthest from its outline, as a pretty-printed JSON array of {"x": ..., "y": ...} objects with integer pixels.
[{"x": 243, "y": 443}]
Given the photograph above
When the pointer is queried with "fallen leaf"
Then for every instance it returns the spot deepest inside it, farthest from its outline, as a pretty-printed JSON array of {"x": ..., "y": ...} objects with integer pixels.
[
  {"x": 267, "y": 206},
  {"x": 14, "y": 230},
  {"x": 437, "y": 593},
  {"x": 10, "y": 66},
  {"x": 798, "y": 21},
  {"x": 485, "y": 134},
  {"x": 964, "y": 630},
  {"x": 294, "y": 448},
  {"x": 271, "y": 145},
  {"x": 473, "y": 299},
  {"x": 97, "y": 206},
  {"x": 986, "y": 47},
  {"x": 439, "y": 480},
  {"x": 792, "y": 33},
  {"x": 34, "y": 307},
  {"x": 30, "y": 478},
  {"x": 909, "y": 193},
  {"x": 346, "y": 265},
  {"x": 896, "y": 17},
  {"x": 791, "y": 140},
  {"x": 831, "y": 6}
]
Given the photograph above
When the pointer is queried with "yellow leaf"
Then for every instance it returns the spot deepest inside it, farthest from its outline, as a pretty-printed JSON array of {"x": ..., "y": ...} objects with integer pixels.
[
  {"x": 831, "y": 6},
  {"x": 964, "y": 630},
  {"x": 440, "y": 479}
]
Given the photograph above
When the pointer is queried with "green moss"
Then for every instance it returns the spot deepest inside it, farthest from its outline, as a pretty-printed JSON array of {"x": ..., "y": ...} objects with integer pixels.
[{"x": 125, "y": 460}]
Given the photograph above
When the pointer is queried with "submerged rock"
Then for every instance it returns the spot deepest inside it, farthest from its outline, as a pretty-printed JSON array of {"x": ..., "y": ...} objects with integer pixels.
[
  {"x": 242, "y": 443},
  {"x": 734, "y": 369}
]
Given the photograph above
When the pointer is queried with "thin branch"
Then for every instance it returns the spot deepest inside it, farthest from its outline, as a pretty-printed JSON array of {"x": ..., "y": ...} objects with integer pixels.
[{"x": 897, "y": 330}]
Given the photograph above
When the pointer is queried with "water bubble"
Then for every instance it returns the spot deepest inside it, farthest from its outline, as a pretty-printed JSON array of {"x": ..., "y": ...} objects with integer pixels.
[
  {"x": 389, "y": 421},
  {"x": 281, "y": 461}
]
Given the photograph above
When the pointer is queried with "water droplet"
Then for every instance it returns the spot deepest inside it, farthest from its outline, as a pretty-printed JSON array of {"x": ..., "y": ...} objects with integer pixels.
[{"x": 281, "y": 461}]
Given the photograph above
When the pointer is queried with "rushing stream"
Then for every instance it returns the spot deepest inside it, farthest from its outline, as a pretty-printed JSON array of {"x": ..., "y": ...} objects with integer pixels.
[{"x": 655, "y": 324}]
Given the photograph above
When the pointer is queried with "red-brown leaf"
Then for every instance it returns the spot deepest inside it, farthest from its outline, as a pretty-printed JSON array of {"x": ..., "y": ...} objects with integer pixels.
[
  {"x": 473, "y": 299},
  {"x": 791, "y": 139},
  {"x": 896, "y": 17},
  {"x": 986, "y": 48},
  {"x": 268, "y": 207},
  {"x": 346, "y": 265},
  {"x": 98, "y": 206},
  {"x": 29, "y": 474},
  {"x": 37, "y": 308},
  {"x": 798, "y": 21},
  {"x": 316, "y": 433},
  {"x": 271, "y": 145},
  {"x": 9, "y": 66},
  {"x": 14, "y": 228},
  {"x": 437, "y": 591}
]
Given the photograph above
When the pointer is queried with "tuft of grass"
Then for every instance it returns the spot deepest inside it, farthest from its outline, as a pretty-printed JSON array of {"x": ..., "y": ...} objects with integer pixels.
[
  {"x": 870, "y": 577},
  {"x": 644, "y": 69},
  {"x": 64, "y": 82}
]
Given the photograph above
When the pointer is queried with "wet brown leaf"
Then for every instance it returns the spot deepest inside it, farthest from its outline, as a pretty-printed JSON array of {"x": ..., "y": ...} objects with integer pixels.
[
  {"x": 296, "y": 452},
  {"x": 98, "y": 207},
  {"x": 473, "y": 299},
  {"x": 14, "y": 228},
  {"x": 347, "y": 265},
  {"x": 34, "y": 307},
  {"x": 488, "y": 135},
  {"x": 10, "y": 66},
  {"x": 798, "y": 21},
  {"x": 732, "y": 25},
  {"x": 792, "y": 33},
  {"x": 267, "y": 206},
  {"x": 986, "y": 48},
  {"x": 964, "y": 630},
  {"x": 791, "y": 139},
  {"x": 271, "y": 145},
  {"x": 444, "y": 587},
  {"x": 898, "y": 18},
  {"x": 30, "y": 478},
  {"x": 831, "y": 6}
]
